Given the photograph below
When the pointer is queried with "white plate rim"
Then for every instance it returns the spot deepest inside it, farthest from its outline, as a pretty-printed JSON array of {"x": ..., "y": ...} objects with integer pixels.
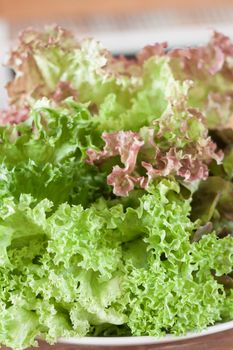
[{"x": 145, "y": 340}]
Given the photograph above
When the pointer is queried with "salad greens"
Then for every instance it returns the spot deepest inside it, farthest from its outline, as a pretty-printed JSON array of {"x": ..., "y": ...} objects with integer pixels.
[{"x": 116, "y": 191}]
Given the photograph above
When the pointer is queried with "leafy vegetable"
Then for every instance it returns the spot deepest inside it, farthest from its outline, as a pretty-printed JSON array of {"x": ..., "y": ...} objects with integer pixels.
[
  {"x": 213, "y": 202},
  {"x": 77, "y": 268},
  {"x": 116, "y": 212},
  {"x": 54, "y": 64},
  {"x": 210, "y": 69},
  {"x": 176, "y": 142},
  {"x": 46, "y": 153}
]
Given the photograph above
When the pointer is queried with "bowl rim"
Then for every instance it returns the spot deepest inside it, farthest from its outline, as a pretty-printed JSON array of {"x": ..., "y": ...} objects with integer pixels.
[{"x": 145, "y": 340}]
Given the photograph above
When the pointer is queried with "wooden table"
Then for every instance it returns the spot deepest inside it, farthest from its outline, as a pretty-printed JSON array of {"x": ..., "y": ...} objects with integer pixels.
[
  {"x": 219, "y": 341},
  {"x": 20, "y": 10}
]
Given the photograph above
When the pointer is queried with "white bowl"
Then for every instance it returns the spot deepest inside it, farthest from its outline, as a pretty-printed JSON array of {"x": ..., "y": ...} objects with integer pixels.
[{"x": 140, "y": 341}]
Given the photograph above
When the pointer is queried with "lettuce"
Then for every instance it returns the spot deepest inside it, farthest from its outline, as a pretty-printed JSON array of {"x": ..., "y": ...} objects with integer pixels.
[
  {"x": 172, "y": 141},
  {"x": 142, "y": 96},
  {"x": 116, "y": 190},
  {"x": 209, "y": 67},
  {"x": 37, "y": 159},
  {"x": 73, "y": 269},
  {"x": 54, "y": 64}
]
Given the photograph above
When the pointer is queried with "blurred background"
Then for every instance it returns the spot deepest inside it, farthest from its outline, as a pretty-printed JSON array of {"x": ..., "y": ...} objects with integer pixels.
[{"x": 123, "y": 26}]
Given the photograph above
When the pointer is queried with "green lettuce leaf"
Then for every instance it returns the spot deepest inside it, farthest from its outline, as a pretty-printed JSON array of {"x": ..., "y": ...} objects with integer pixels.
[
  {"x": 212, "y": 206},
  {"x": 50, "y": 135},
  {"x": 227, "y": 309},
  {"x": 228, "y": 162},
  {"x": 213, "y": 200},
  {"x": 171, "y": 286},
  {"x": 75, "y": 271},
  {"x": 19, "y": 329},
  {"x": 46, "y": 153}
]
